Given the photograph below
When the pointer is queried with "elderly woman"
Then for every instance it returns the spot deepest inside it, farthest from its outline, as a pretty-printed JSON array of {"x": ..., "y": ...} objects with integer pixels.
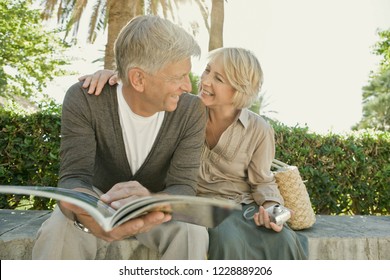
[{"x": 236, "y": 161}]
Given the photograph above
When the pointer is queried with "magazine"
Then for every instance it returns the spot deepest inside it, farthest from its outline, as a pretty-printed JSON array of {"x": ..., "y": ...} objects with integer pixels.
[{"x": 202, "y": 211}]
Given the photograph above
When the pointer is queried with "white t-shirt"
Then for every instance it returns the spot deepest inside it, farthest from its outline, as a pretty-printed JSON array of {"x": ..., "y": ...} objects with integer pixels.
[{"x": 139, "y": 133}]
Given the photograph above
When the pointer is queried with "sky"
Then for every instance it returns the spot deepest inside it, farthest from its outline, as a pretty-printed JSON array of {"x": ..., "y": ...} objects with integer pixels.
[{"x": 316, "y": 55}]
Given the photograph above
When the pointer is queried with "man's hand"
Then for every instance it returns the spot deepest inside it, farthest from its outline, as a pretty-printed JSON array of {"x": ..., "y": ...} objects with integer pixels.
[
  {"x": 96, "y": 81},
  {"x": 122, "y": 193},
  {"x": 118, "y": 195},
  {"x": 128, "y": 229}
]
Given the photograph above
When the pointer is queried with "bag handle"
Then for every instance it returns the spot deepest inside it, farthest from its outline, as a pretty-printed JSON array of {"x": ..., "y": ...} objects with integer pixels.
[{"x": 278, "y": 164}]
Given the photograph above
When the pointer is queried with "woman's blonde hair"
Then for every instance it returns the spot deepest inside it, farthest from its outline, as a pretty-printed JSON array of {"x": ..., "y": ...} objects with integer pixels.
[
  {"x": 150, "y": 43},
  {"x": 243, "y": 72}
]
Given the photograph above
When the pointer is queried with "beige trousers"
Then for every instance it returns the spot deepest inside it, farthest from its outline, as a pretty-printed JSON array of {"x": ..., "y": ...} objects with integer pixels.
[{"x": 59, "y": 239}]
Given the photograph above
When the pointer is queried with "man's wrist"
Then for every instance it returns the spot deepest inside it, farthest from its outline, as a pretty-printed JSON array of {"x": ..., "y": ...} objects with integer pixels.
[
  {"x": 81, "y": 227},
  {"x": 67, "y": 213}
]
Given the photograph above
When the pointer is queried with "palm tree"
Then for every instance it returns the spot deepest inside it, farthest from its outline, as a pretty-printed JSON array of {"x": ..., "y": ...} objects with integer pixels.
[
  {"x": 119, "y": 13},
  {"x": 114, "y": 14},
  {"x": 216, "y": 26}
]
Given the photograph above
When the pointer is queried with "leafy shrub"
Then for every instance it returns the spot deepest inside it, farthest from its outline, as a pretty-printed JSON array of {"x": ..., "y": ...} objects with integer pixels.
[
  {"x": 29, "y": 153},
  {"x": 345, "y": 174}
]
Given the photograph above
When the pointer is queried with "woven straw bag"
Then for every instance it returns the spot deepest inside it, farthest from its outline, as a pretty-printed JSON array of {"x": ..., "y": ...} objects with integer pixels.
[{"x": 295, "y": 195}]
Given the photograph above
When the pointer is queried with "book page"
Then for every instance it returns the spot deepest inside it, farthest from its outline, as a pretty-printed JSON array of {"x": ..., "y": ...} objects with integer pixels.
[{"x": 100, "y": 211}]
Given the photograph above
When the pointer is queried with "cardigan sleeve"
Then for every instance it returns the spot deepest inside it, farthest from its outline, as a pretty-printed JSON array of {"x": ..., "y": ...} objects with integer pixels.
[
  {"x": 185, "y": 163},
  {"x": 78, "y": 144}
]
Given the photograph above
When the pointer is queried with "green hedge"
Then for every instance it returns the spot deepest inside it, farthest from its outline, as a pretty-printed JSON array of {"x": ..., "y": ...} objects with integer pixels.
[
  {"x": 29, "y": 149},
  {"x": 345, "y": 174}
]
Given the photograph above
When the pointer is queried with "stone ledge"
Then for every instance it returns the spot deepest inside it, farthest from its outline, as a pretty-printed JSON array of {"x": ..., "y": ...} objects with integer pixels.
[
  {"x": 349, "y": 238},
  {"x": 331, "y": 238}
]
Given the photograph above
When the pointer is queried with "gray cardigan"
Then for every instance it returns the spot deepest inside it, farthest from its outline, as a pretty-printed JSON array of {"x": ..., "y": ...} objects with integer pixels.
[{"x": 93, "y": 152}]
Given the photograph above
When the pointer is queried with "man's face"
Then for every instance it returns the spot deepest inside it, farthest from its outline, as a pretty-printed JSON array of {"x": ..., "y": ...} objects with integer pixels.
[{"x": 163, "y": 89}]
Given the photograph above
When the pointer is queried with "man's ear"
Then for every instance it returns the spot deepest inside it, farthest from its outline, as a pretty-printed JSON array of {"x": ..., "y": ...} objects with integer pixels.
[{"x": 137, "y": 79}]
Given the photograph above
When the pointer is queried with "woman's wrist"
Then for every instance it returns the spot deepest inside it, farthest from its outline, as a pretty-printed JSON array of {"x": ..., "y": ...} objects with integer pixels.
[{"x": 268, "y": 204}]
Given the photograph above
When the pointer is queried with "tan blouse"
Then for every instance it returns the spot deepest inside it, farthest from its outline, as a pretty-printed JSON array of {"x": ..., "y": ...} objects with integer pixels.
[{"x": 239, "y": 166}]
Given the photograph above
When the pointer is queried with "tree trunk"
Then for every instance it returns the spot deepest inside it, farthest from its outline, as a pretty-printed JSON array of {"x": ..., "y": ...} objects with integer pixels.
[
  {"x": 216, "y": 26},
  {"x": 119, "y": 14}
]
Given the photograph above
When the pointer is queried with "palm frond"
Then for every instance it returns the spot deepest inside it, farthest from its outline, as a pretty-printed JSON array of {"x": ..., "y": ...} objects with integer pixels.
[
  {"x": 48, "y": 8},
  {"x": 98, "y": 20},
  {"x": 204, "y": 12}
]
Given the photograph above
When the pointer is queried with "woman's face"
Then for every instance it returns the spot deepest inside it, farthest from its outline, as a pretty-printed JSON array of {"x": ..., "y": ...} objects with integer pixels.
[{"x": 215, "y": 89}]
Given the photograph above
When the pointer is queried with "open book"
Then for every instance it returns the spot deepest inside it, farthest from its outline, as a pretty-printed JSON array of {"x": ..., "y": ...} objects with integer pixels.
[{"x": 202, "y": 211}]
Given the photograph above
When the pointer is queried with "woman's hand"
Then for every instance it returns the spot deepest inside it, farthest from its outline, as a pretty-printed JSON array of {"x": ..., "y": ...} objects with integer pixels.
[
  {"x": 261, "y": 218},
  {"x": 96, "y": 81}
]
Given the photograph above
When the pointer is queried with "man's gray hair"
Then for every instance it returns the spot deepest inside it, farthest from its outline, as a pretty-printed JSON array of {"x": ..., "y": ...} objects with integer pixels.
[{"x": 150, "y": 43}]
